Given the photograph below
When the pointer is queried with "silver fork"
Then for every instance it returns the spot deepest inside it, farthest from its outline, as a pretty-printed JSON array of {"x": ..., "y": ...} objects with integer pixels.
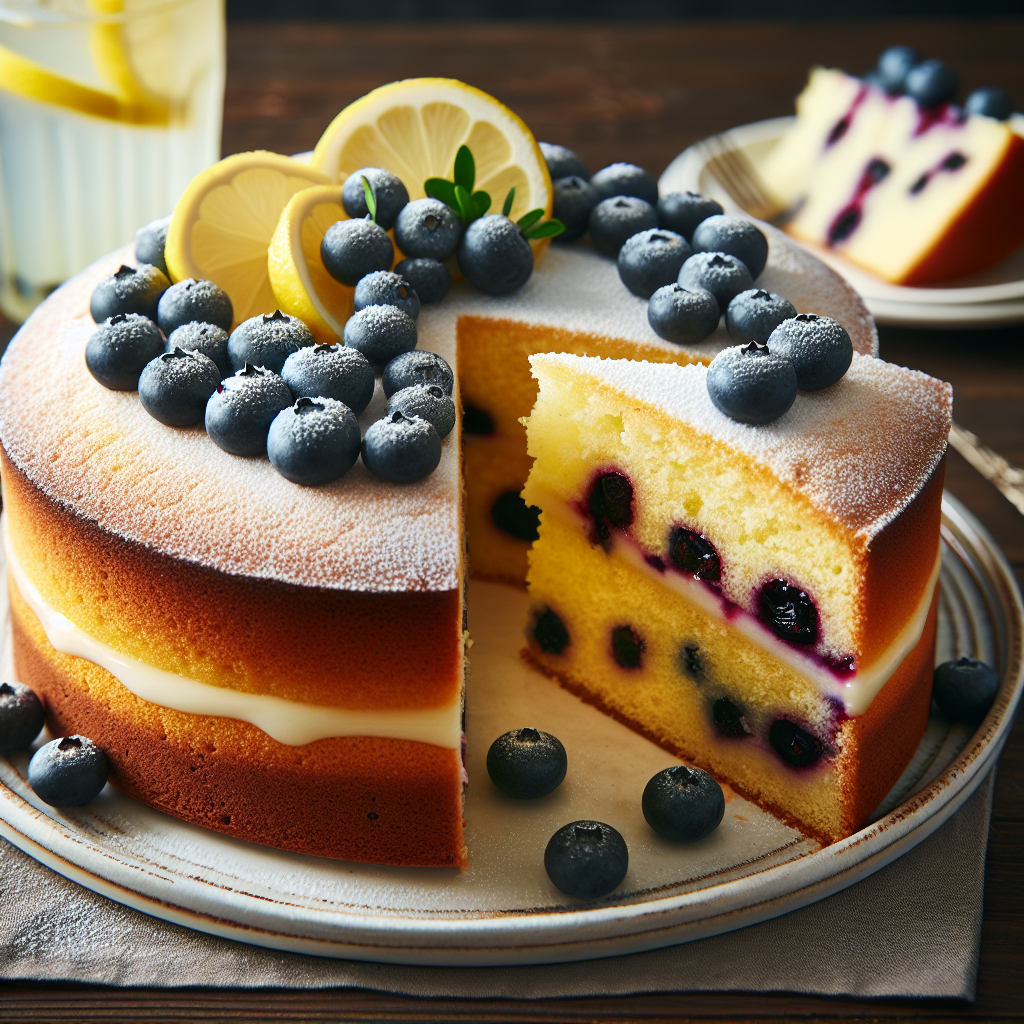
[{"x": 740, "y": 178}]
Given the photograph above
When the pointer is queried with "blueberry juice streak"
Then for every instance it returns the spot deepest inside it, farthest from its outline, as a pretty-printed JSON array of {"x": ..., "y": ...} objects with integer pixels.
[
  {"x": 949, "y": 165},
  {"x": 842, "y": 126},
  {"x": 849, "y": 217}
]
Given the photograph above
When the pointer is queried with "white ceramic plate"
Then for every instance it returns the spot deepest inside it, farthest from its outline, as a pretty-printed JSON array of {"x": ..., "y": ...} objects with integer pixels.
[
  {"x": 991, "y": 298},
  {"x": 503, "y": 910}
]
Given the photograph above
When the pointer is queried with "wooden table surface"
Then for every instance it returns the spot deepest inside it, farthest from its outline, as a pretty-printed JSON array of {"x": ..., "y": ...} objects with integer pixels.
[{"x": 639, "y": 92}]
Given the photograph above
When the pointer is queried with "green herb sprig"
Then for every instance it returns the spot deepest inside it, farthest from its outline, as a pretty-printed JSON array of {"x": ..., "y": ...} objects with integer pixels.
[
  {"x": 459, "y": 194},
  {"x": 371, "y": 199}
]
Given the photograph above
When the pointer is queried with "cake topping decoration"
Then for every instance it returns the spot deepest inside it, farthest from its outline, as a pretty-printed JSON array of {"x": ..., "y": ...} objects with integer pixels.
[
  {"x": 331, "y": 371},
  {"x": 719, "y": 273},
  {"x": 380, "y": 333},
  {"x": 351, "y": 249},
  {"x": 400, "y": 449},
  {"x": 683, "y": 211},
  {"x": 686, "y": 316},
  {"x": 385, "y": 190},
  {"x": 427, "y": 228},
  {"x": 615, "y": 220},
  {"x": 428, "y": 277},
  {"x": 562, "y": 162},
  {"x": 622, "y": 179},
  {"x": 129, "y": 290},
  {"x": 754, "y": 314},
  {"x": 818, "y": 348},
  {"x": 427, "y": 401},
  {"x": 314, "y": 441},
  {"x": 417, "y": 367},
  {"x": 191, "y": 301},
  {"x": 120, "y": 349},
  {"x": 751, "y": 384},
  {"x": 175, "y": 387},
  {"x": 735, "y": 236},
  {"x": 652, "y": 259}
]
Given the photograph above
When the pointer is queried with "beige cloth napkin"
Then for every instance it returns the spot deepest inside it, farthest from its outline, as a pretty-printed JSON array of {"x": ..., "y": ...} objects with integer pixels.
[{"x": 911, "y": 929}]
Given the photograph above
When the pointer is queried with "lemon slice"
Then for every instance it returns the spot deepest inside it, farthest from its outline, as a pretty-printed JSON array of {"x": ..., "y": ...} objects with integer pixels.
[
  {"x": 298, "y": 277},
  {"x": 223, "y": 223},
  {"x": 414, "y": 128}
]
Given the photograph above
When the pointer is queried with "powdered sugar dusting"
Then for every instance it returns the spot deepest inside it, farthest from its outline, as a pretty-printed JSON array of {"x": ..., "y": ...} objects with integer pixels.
[{"x": 859, "y": 450}]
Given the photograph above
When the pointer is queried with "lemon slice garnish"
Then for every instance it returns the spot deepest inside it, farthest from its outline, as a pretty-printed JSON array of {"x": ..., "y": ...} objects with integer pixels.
[
  {"x": 223, "y": 223},
  {"x": 298, "y": 277}
]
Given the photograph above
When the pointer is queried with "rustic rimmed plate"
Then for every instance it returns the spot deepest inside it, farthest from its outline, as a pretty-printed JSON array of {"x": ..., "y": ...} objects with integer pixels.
[{"x": 503, "y": 910}]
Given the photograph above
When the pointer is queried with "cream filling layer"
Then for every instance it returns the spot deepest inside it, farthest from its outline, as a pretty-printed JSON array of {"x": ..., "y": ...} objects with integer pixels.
[
  {"x": 286, "y": 721},
  {"x": 855, "y": 693}
]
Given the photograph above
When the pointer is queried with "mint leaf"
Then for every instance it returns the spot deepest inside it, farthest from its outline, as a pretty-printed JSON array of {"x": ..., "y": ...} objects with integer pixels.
[
  {"x": 465, "y": 201},
  {"x": 509, "y": 200},
  {"x": 548, "y": 229},
  {"x": 438, "y": 188},
  {"x": 371, "y": 199},
  {"x": 465, "y": 168},
  {"x": 529, "y": 219},
  {"x": 481, "y": 203}
]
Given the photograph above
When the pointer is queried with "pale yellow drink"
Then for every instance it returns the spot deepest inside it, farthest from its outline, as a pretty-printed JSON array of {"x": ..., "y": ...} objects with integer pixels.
[{"x": 108, "y": 108}]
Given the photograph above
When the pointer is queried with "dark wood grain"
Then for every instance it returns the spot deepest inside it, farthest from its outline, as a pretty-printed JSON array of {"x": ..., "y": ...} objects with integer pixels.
[{"x": 639, "y": 92}]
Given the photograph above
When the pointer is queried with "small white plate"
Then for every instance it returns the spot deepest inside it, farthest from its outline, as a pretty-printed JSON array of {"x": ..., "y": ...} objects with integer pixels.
[{"x": 991, "y": 298}]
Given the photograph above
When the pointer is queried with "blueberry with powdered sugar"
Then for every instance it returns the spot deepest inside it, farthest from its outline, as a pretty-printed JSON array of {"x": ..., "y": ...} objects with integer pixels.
[
  {"x": 429, "y": 402},
  {"x": 380, "y": 333},
  {"x": 314, "y": 441},
  {"x": 175, "y": 387},
  {"x": 818, "y": 347},
  {"x": 417, "y": 367},
  {"x": 209, "y": 339},
  {"x": 121, "y": 348},
  {"x": 400, "y": 449},
  {"x": 267, "y": 340},
  {"x": 330, "y": 371},
  {"x": 751, "y": 384},
  {"x": 129, "y": 290},
  {"x": 241, "y": 409},
  {"x": 191, "y": 300},
  {"x": 386, "y": 288}
]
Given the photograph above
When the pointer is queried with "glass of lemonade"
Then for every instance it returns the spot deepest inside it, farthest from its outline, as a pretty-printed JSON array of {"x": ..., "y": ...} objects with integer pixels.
[{"x": 108, "y": 108}]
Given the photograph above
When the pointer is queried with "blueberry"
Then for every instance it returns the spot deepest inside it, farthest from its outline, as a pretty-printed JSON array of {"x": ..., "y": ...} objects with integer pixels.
[
  {"x": 68, "y": 772},
  {"x": 625, "y": 180},
  {"x": 429, "y": 402},
  {"x": 380, "y": 333},
  {"x": 21, "y": 717},
  {"x": 686, "y": 316},
  {"x": 389, "y": 192},
  {"x": 651, "y": 260},
  {"x": 615, "y": 220},
  {"x": 735, "y": 236},
  {"x": 796, "y": 746},
  {"x": 693, "y": 552},
  {"x": 401, "y": 450},
  {"x": 175, "y": 387},
  {"x": 129, "y": 290},
  {"x": 681, "y": 212},
  {"x": 562, "y": 162},
  {"x": 267, "y": 340},
  {"x": 965, "y": 689},
  {"x": 417, "y": 367},
  {"x": 494, "y": 256},
  {"x": 691, "y": 662},
  {"x": 330, "y": 371},
  {"x": 893, "y": 66},
  {"x": 550, "y": 633},
  {"x": 586, "y": 859},
  {"x": 386, "y": 288},
  {"x": 430, "y": 278},
  {"x": 818, "y": 347},
  {"x": 150, "y": 241},
  {"x": 428, "y": 228},
  {"x": 475, "y": 421},
  {"x": 683, "y": 804},
  {"x": 240, "y": 411},
  {"x": 788, "y": 612},
  {"x": 120, "y": 348},
  {"x": 723, "y": 275},
  {"x": 754, "y": 314},
  {"x": 627, "y": 647},
  {"x": 729, "y": 719},
  {"x": 574, "y": 199},
  {"x": 611, "y": 503},
  {"x": 990, "y": 101},
  {"x": 191, "y": 300},
  {"x": 351, "y": 249},
  {"x": 526, "y": 763},
  {"x": 209, "y": 339},
  {"x": 931, "y": 82},
  {"x": 314, "y": 441},
  {"x": 751, "y": 384},
  {"x": 513, "y": 516}
]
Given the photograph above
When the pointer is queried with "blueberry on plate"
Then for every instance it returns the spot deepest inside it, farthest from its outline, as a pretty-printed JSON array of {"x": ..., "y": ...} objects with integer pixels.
[
  {"x": 120, "y": 349},
  {"x": 527, "y": 763},
  {"x": 150, "y": 241},
  {"x": 686, "y": 316},
  {"x": 990, "y": 101},
  {"x": 683, "y": 804},
  {"x": 751, "y": 384},
  {"x": 401, "y": 450},
  {"x": 622, "y": 179},
  {"x": 562, "y": 162},
  {"x": 652, "y": 259},
  {"x": 417, "y": 367},
  {"x": 754, "y": 314},
  {"x": 586, "y": 859},
  {"x": 931, "y": 82},
  {"x": 209, "y": 339},
  {"x": 241, "y": 409},
  {"x": 330, "y": 371},
  {"x": 818, "y": 347},
  {"x": 573, "y": 200},
  {"x": 429, "y": 278},
  {"x": 129, "y": 290},
  {"x": 428, "y": 228},
  {"x": 965, "y": 689},
  {"x": 68, "y": 772},
  {"x": 894, "y": 65},
  {"x": 429, "y": 402},
  {"x": 351, "y": 249},
  {"x": 681, "y": 212},
  {"x": 615, "y": 220},
  {"x": 735, "y": 236},
  {"x": 192, "y": 300},
  {"x": 386, "y": 288},
  {"x": 175, "y": 387},
  {"x": 21, "y": 717},
  {"x": 723, "y": 275},
  {"x": 494, "y": 256},
  {"x": 314, "y": 441},
  {"x": 380, "y": 333},
  {"x": 388, "y": 190},
  {"x": 267, "y": 340}
]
